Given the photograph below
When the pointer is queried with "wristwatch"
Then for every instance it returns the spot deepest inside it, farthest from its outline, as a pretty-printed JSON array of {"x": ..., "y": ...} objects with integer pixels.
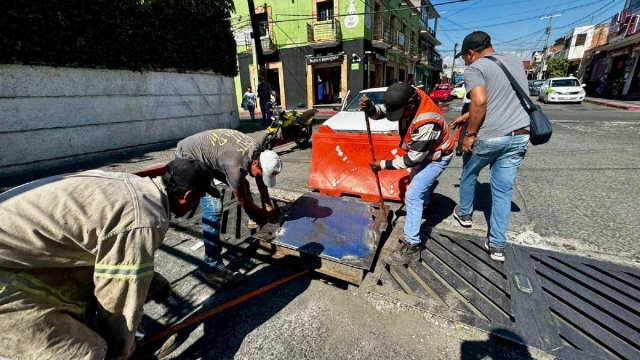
[{"x": 471, "y": 134}]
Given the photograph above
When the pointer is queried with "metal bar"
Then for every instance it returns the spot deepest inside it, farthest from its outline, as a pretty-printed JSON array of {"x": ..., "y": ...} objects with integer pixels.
[
  {"x": 207, "y": 314},
  {"x": 373, "y": 158}
]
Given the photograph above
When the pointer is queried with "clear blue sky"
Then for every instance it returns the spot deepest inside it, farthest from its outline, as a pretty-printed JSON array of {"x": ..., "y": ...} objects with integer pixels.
[{"x": 515, "y": 26}]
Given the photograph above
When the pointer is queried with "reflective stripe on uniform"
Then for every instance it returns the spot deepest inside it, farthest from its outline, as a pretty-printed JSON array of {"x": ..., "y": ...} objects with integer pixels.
[{"x": 123, "y": 271}]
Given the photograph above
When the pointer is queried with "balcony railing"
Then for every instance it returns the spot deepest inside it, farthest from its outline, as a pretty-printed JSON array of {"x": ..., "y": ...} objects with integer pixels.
[
  {"x": 398, "y": 42},
  {"x": 324, "y": 33},
  {"x": 381, "y": 34},
  {"x": 429, "y": 58},
  {"x": 268, "y": 44}
]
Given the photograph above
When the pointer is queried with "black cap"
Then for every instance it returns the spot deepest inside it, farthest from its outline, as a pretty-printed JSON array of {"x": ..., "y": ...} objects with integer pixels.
[
  {"x": 396, "y": 99},
  {"x": 189, "y": 174},
  {"x": 474, "y": 41}
]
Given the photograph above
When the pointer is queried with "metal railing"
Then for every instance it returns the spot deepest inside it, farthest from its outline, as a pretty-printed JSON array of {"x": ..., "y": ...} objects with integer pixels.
[
  {"x": 430, "y": 58},
  {"x": 268, "y": 44},
  {"x": 324, "y": 31},
  {"x": 381, "y": 31}
]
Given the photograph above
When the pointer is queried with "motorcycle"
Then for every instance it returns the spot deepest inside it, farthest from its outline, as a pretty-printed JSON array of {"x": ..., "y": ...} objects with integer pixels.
[{"x": 289, "y": 125}]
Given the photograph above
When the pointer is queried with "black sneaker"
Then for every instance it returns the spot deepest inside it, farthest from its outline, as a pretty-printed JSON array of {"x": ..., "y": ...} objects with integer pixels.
[
  {"x": 404, "y": 253},
  {"x": 223, "y": 276},
  {"x": 496, "y": 254},
  {"x": 465, "y": 220}
]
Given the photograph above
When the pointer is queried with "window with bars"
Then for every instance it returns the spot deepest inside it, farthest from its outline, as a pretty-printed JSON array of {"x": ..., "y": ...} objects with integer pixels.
[
  {"x": 263, "y": 24},
  {"x": 581, "y": 39},
  {"x": 325, "y": 11}
]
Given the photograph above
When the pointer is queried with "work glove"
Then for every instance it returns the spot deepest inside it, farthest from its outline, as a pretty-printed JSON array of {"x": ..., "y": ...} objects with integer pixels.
[
  {"x": 365, "y": 104},
  {"x": 159, "y": 289}
]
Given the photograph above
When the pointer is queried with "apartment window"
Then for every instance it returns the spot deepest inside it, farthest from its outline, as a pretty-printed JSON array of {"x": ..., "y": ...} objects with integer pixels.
[
  {"x": 634, "y": 5},
  {"x": 581, "y": 39},
  {"x": 263, "y": 24},
  {"x": 325, "y": 11}
]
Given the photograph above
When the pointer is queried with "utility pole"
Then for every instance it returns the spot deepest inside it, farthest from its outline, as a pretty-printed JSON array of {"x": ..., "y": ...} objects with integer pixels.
[
  {"x": 257, "y": 44},
  {"x": 546, "y": 47},
  {"x": 453, "y": 64}
]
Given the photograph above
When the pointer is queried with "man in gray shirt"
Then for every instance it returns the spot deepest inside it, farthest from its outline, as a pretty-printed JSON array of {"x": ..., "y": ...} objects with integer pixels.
[
  {"x": 497, "y": 134},
  {"x": 230, "y": 156}
]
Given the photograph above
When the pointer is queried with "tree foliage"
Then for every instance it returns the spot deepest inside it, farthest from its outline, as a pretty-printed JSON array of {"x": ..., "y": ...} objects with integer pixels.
[
  {"x": 557, "y": 67},
  {"x": 182, "y": 35}
]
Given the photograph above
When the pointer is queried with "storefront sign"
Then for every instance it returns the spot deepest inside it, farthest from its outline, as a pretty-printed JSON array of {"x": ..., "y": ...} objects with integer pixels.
[
  {"x": 352, "y": 19},
  {"x": 620, "y": 52},
  {"x": 323, "y": 59},
  {"x": 323, "y": 30}
]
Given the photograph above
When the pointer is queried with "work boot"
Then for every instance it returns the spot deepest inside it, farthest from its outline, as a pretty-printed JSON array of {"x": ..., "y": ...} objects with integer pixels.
[
  {"x": 157, "y": 349},
  {"x": 223, "y": 276},
  {"x": 404, "y": 253}
]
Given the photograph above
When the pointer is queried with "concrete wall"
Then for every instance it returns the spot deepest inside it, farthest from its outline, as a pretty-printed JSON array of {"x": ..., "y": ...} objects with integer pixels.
[{"x": 52, "y": 115}]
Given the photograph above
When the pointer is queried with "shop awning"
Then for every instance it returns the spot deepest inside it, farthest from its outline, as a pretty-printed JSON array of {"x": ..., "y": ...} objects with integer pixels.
[{"x": 621, "y": 43}]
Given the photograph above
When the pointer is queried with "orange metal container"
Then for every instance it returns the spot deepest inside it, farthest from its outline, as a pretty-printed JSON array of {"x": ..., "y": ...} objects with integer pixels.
[{"x": 340, "y": 165}]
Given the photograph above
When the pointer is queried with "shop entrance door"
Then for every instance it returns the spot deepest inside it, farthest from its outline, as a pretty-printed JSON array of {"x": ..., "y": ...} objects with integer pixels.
[{"x": 326, "y": 84}]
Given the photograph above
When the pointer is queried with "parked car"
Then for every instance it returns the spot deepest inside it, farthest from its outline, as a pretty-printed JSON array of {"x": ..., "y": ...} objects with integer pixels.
[
  {"x": 350, "y": 118},
  {"x": 458, "y": 91},
  {"x": 534, "y": 87},
  {"x": 564, "y": 89},
  {"x": 441, "y": 92}
]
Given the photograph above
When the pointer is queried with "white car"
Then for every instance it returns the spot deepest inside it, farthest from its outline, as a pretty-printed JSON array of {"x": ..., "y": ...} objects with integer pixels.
[
  {"x": 565, "y": 89},
  {"x": 352, "y": 119},
  {"x": 459, "y": 91}
]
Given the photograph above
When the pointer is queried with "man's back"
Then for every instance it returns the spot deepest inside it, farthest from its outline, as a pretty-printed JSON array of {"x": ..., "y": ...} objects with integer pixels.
[
  {"x": 226, "y": 152},
  {"x": 505, "y": 111},
  {"x": 60, "y": 221}
]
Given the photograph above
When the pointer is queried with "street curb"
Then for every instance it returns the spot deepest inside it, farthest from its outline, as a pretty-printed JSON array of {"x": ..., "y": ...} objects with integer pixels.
[
  {"x": 320, "y": 113},
  {"x": 617, "y": 106}
]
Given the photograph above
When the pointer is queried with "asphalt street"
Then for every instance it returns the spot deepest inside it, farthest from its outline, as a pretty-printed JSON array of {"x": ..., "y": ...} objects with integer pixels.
[{"x": 579, "y": 193}]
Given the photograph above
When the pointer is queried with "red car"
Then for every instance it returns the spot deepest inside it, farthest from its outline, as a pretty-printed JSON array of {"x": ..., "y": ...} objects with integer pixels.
[{"x": 441, "y": 92}]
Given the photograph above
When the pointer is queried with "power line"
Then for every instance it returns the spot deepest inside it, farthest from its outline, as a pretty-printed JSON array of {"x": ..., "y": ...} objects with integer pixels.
[{"x": 537, "y": 16}]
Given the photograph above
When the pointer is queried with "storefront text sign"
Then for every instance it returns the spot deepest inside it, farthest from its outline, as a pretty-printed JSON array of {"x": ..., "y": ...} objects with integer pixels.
[
  {"x": 323, "y": 59},
  {"x": 381, "y": 58},
  {"x": 323, "y": 30}
]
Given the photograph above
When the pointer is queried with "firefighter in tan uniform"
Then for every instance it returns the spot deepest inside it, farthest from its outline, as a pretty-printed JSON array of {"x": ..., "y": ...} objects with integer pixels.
[{"x": 72, "y": 243}]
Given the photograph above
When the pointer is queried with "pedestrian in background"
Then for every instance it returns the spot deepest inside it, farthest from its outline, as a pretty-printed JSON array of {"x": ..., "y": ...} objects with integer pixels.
[
  {"x": 425, "y": 136},
  {"x": 264, "y": 94},
  {"x": 497, "y": 134},
  {"x": 249, "y": 99}
]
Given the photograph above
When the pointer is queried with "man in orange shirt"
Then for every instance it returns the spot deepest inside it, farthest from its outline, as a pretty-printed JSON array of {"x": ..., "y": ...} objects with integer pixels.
[{"x": 430, "y": 146}]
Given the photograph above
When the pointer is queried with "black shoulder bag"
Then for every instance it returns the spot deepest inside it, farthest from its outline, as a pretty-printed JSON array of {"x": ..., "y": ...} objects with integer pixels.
[{"x": 540, "y": 126}]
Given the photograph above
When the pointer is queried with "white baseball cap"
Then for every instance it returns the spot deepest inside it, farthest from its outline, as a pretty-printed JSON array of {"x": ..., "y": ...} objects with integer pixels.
[{"x": 271, "y": 166}]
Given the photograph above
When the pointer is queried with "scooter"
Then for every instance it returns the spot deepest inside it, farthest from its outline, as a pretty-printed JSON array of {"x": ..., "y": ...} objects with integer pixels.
[{"x": 289, "y": 125}]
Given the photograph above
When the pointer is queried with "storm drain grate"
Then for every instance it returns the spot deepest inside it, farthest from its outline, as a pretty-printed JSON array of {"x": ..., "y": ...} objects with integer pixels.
[{"x": 567, "y": 306}]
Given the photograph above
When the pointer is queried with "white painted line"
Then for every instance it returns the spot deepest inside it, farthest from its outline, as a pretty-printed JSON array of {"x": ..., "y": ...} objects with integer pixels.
[{"x": 198, "y": 245}]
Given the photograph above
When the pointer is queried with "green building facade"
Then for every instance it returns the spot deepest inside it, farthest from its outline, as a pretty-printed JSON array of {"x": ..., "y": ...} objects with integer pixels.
[{"x": 318, "y": 51}]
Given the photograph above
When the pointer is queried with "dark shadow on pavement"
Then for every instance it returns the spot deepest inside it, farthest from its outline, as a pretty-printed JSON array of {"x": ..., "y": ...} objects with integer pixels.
[
  {"x": 496, "y": 347},
  {"x": 224, "y": 333}
]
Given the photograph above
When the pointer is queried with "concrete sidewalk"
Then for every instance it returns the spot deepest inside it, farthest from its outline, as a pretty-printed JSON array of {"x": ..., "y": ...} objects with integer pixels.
[{"x": 617, "y": 104}]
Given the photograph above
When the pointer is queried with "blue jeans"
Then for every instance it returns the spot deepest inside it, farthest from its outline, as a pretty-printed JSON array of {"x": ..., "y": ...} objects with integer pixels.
[
  {"x": 264, "y": 109},
  {"x": 423, "y": 180},
  {"x": 504, "y": 155},
  {"x": 211, "y": 218},
  {"x": 252, "y": 111}
]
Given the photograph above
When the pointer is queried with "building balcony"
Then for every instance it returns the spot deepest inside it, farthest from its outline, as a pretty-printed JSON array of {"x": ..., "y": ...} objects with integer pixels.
[
  {"x": 267, "y": 42},
  {"x": 398, "y": 44},
  {"x": 324, "y": 34},
  {"x": 428, "y": 33},
  {"x": 430, "y": 59},
  {"x": 381, "y": 35}
]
